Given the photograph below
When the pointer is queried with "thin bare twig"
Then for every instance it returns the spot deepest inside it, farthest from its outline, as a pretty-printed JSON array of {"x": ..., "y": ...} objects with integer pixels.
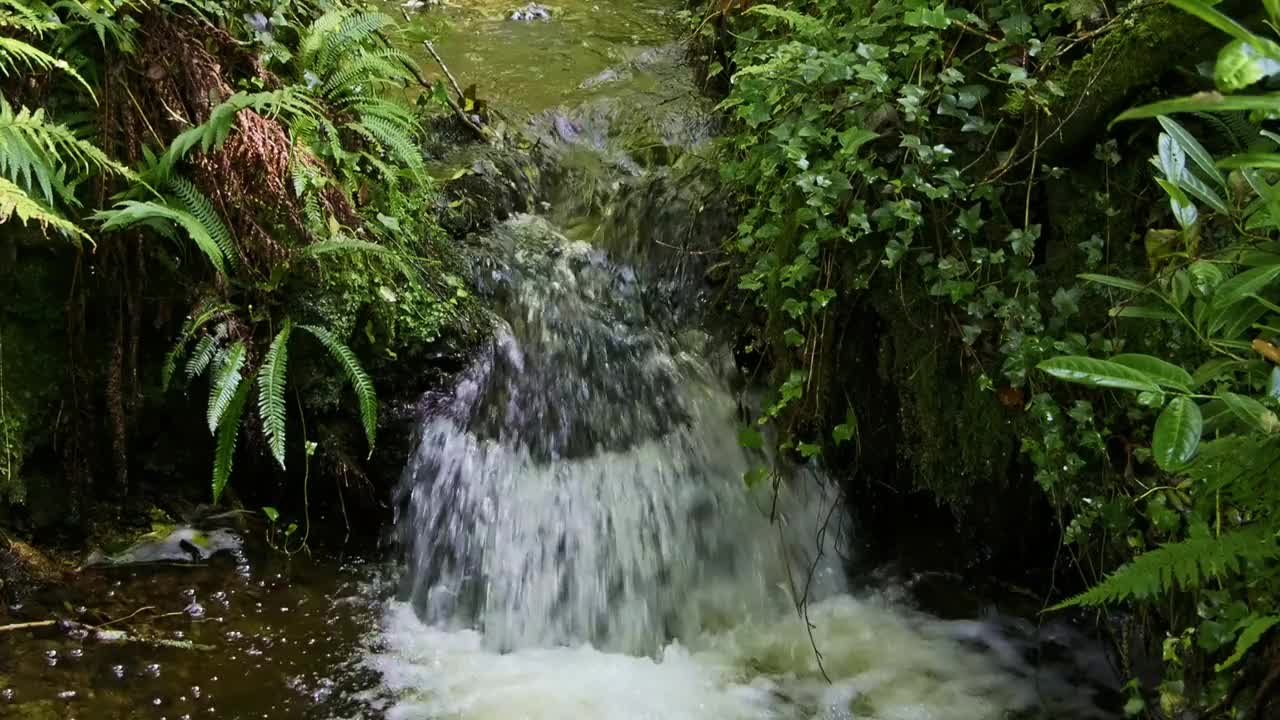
[{"x": 452, "y": 80}]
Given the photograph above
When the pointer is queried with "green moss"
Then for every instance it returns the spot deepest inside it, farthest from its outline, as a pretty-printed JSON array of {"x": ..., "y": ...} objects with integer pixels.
[
  {"x": 957, "y": 436},
  {"x": 31, "y": 366}
]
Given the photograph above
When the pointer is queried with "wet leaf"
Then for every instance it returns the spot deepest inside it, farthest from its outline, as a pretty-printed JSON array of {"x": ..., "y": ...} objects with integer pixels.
[{"x": 1177, "y": 433}]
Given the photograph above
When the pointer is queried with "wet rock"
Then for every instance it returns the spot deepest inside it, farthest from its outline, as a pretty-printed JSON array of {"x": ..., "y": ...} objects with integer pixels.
[
  {"x": 531, "y": 12},
  {"x": 181, "y": 544}
]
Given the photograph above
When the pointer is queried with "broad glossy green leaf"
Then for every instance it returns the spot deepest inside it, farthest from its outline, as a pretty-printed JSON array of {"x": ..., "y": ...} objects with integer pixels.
[
  {"x": 1213, "y": 369},
  {"x": 1163, "y": 373},
  {"x": 1242, "y": 285},
  {"x": 1098, "y": 373},
  {"x": 1252, "y": 412},
  {"x": 1113, "y": 281},
  {"x": 1203, "y": 102},
  {"x": 1263, "y": 161},
  {"x": 1177, "y": 433},
  {"x": 1242, "y": 63},
  {"x": 750, "y": 438},
  {"x": 1232, "y": 322},
  {"x": 1216, "y": 18},
  {"x": 1144, "y": 312},
  {"x": 1205, "y": 278},
  {"x": 1192, "y": 148}
]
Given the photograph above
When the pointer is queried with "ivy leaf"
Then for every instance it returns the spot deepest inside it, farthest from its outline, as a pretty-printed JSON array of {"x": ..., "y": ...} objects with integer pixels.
[
  {"x": 1177, "y": 433},
  {"x": 271, "y": 513},
  {"x": 1098, "y": 373},
  {"x": 1163, "y": 373},
  {"x": 754, "y": 476},
  {"x": 1249, "y": 636}
]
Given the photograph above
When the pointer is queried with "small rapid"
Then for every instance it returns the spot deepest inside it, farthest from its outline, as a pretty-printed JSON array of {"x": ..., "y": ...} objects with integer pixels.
[{"x": 577, "y": 537}]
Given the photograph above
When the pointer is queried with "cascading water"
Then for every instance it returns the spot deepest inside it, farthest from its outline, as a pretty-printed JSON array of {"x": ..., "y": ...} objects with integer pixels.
[
  {"x": 583, "y": 483},
  {"x": 579, "y": 539}
]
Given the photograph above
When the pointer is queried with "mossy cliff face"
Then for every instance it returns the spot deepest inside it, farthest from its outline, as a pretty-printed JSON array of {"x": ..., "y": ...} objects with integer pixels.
[{"x": 32, "y": 373}]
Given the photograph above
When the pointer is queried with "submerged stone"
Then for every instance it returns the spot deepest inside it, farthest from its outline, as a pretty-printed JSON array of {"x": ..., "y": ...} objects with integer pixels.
[
  {"x": 530, "y": 12},
  {"x": 180, "y": 544}
]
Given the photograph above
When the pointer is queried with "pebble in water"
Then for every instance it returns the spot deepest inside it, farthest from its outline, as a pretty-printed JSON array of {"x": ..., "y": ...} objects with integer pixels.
[{"x": 532, "y": 11}]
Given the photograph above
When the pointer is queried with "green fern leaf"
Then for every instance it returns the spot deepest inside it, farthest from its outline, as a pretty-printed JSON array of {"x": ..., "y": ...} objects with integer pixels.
[
  {"x": 189, "y": 330},
  {"x": 199, "y": 207},
  {"x": 16, "y": 56},
  {"x": 359, "y": 379},
  {"x": 344, "y": 245},
  {"x": 1184, "y": 564},
  {"x": 14, "y": 202},
  {"x": 271, "y": 382},
  {"x": 132, "y": 212},
  {"x": 36, "y": 152},
  {"x": 201, "y": 356},
  {"x": 393, "y": 139},
  {"x": 228, "y": 431},
  {"x": 225, "y": 384},
  {"x": 349, "y": 35}
]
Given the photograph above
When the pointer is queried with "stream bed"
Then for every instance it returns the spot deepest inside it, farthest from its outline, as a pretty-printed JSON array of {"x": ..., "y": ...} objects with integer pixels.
[{"x": 574, "y": 538}]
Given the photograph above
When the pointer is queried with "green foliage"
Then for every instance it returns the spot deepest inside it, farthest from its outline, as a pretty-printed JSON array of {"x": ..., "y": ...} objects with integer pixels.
[
  {"x": 1186, "y": 564},
  {"x": 227, "y": 433},
  {"x": 360, "y": 381},
  {"x": 271, "y": 382}
]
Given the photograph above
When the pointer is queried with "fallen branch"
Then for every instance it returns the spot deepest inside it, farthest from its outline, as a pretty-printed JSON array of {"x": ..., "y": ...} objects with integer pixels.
[
  {"x": 452, "y": 80},
  {"x": 28, "y": 625}
]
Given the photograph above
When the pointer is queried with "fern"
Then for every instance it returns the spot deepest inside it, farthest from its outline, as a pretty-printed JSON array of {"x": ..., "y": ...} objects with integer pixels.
[
  {"x": 359, "y": 379},
  {"x": 189, "y": 329},
  {"x": 225, "y": 383},
  {"x": 202, "y": 356},
  {"x": 1184, "y": 564},
  {"x": 289, "y": 101},
  {"x": 348, "y": 36},
  {"x": 228, "y": 432},
  {"x": 394, "y": 141},
  {"x": 271, "y": 382},
  {"x": 367, "y": 71},
  {"x": 344, "y": 245},
  {"x": 132, "y": 212},
  {"x": 14, "y": 202},
  {"x": 36, "y": 152},
  {"x": 199, "y": 207},
  {"x": 316, "y": 37},
  {"x": 17, "y": 56}
]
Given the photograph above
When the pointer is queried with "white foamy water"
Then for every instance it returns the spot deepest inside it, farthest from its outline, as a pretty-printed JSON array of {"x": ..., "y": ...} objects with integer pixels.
[
  {"x": 580, "y": 544},
  {"x": 885, "y": 663}
]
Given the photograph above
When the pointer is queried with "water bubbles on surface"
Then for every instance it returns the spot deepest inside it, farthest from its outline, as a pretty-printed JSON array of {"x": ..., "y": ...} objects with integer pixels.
[
  {"x": 118, "y": 671},
  {"x": 179, "y": 635},
  {"x": 6, "y": 694},
  {"x": 157, "y": 702},
  {"x": 221, "y": 598},
  {"x": 67, "y": 695},
  {"x": 195, "y": 609},
  {"x": 152, "y": 670},
  {"x": 233, "y": 635},
  {"x": 15, "y": 607},
  {"x": 78, "y": 632},
  {"x": 195, "y": 691},
  {"x": 81, "y": 610},
  {"x": 189, "y": 593},
  {"x": 76, "y": 653}
]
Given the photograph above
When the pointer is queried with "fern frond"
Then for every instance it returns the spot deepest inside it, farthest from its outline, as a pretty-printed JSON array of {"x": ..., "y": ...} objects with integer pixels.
[
  {"x": 364, "y": 72},
  {"x": 316, "y": 37},
  {"x": 201, "y": 355},
  {"x": 35, "y": 151},
  {"x": 199, "y": 206},
  {"x": 132, "y": 212},
  {"x": 344, "y": 245},
  {"x": 271, "y": 382},
  {"x": 189, "y": 329},
  {"x": 225, "y": 383},
  {"x": 14, "y": 202},
  {"x": 351, "y": 32},
  {"x": 359, "y": 379},
  {"x": 16, "y": 56},
  {"x": 228, "y": 432},
  {"x": 1184, "y": 564},
  {"x": 290, "y": 102},
  {"x": 394, "y": 141}
]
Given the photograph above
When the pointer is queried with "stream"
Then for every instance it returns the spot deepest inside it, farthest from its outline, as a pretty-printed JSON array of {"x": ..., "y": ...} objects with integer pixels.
[{"x": 574, "y": 537}]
